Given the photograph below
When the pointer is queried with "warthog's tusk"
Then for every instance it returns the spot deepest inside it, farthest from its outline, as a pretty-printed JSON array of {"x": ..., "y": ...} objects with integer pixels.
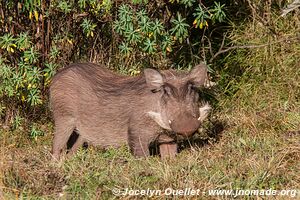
[{"x": 204, "y": 111}]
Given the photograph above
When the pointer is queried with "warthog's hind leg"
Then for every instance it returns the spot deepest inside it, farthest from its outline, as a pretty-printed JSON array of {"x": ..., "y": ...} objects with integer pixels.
[{"x": 62, "y": 134}]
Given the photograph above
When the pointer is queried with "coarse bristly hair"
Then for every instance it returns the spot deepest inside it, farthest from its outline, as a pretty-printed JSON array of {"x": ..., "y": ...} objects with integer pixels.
[{"x": 108, "y": 109}]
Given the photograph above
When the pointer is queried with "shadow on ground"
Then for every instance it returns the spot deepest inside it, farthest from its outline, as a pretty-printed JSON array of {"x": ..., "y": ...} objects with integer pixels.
[{"x": 208, "y": 136}]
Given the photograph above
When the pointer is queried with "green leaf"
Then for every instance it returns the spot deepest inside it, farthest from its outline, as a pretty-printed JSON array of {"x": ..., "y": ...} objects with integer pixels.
[
  {"x": 218, "y": 13},
  {"x": 179, "y": 28},
  {"x": 149, "y": 46}
]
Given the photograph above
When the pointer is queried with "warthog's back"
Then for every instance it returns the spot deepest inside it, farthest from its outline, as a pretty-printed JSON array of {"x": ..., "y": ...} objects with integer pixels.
[
  {"x": 87, "y": 82},
  {"x": 90, "y": 97},
  {"x": 99, "y": 79}
]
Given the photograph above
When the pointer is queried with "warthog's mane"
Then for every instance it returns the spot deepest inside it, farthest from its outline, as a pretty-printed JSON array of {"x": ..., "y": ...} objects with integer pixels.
[{"x": 103, "y": 80}]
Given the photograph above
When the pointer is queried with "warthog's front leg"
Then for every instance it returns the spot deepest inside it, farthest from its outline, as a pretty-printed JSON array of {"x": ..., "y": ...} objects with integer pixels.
[
  {"x": 168, "y": 150},
  {"x": 138, "y": 144},
  {"x": 167, "y": 146}
]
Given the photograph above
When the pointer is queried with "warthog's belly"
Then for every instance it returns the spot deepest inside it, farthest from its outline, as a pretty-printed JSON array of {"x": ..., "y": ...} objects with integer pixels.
[{"x": 104, "y": 136}]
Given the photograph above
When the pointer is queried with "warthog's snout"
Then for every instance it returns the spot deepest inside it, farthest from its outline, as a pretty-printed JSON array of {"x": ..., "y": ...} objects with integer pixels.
[{"x": 185, "y": 124}]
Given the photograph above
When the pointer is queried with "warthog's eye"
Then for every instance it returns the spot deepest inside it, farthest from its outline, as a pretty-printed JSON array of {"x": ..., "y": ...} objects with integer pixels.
[
  {"x": 191, "y": 88},
  {"x": 192, "y": 91},
  {"x": 167, "y": 90}
]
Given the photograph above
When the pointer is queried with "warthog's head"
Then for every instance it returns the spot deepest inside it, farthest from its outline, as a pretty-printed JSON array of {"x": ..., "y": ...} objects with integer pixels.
[{"x": 178, "y": 98}]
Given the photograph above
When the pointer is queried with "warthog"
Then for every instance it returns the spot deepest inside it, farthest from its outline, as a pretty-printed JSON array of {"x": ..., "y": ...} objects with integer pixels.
[{"x": 109, "y": 110}]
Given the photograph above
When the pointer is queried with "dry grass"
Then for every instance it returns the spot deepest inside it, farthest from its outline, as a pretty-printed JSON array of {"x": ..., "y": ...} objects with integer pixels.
[{"x": 258, "y": 149}]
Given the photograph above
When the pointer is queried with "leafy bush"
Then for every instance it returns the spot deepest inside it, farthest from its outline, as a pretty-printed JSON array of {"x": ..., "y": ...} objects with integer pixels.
[
  {"x": 38, "y": 37},
  {"x": 142, "y": 35}
]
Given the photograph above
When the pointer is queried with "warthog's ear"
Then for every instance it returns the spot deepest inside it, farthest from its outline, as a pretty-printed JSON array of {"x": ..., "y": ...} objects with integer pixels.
[
  {"x": 198, "y": 75},
  {"x": 154, "y": 79}
]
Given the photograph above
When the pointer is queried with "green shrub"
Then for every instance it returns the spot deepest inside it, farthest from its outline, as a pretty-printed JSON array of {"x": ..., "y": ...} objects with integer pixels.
[{"x": 39, "y": 37}]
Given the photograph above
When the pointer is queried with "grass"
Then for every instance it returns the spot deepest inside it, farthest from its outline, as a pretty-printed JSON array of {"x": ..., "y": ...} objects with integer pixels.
[{"x": 257, "y": 149}]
